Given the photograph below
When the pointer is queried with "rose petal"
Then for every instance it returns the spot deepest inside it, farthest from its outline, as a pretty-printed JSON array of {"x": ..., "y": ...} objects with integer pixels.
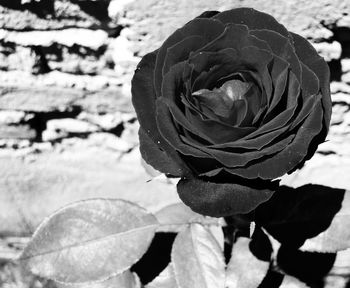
[
  {"x": 250, "y": 58},
  {"x": 223, "y": 99},
  {"x": 284, "y": 111},
  {"x": 185, "y": 122},
  {"x": 220, "y": 199},
  {"x": 208, "y": 129},
  {"x": 208, "y": 14},
  {"x": 143, "y": 96},
  {"x": 309, "y": 82},
  {"x": 292, "y": 155},
  {"x": 209, "y": 67},
  {"x": 194, "y": 105},
  {"x": 309, "y": 56},
  {"x": 230, "y": 159},
  {"x": 218, "y": 132},
  {"x": 280, "y": 46},
  {"x": 180, "y": 51},
  {"x": 207, "y": 28},
  {"x": 204, "y": 61},
  {"x": 156, "y": 157},
  {"x": 167, "y": 129},
  {"x": 280, "y": 75},
  {"x": 257, "y": 143},
  {"x": 143, "y": 99},
  {"x": 253, "y": 98},
  {"x": 253, "y": 19},
  {"x": 234, "y": 36}
]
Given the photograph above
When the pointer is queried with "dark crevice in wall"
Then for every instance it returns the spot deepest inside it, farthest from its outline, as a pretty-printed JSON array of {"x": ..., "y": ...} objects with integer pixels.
[
  {"x": 96, "y": 9},
  {"x": 335, "y": 70},
  {"x": 41, "y": 8},
  {"x": 56, "y": 49},
  {"x": 40, "y": 65},
  {"x": 40, "y": 119},
  {"x": 45, "y": 9},
  {"x": 7, "y": 48},
  {"x": 115, "y": 31},
  {"x": 342, "y": 35},
  {"x": 58, "y": 53},
  {"x": 117, "y": 131}
]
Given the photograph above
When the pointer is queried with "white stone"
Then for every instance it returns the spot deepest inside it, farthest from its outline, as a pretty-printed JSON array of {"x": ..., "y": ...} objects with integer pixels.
[
  {"x": 110, "y": 141},
  {"x": 13, "y": 117},
  {"x": 331, "y": 170},
  {"x": 344, "y": 21},
  {"x": 59, "y": 128},
  {"x": 339, "y": 87},
  {"x": 61, "y": 79},
  {"x": 338, "y": 112},
  {"x": 345, "y": 65},
  {"x": 117, "y": 8},
  {"x": 346, "y": 77},
  {"x": 130, "y": 133},
  {"x": 106, "y": 122},
  {"x": 52, "y": 135},
  {"x": 93, "y": 39},
  {"x": 122, "y": 50},
  {"x": 329, "y": 51}
]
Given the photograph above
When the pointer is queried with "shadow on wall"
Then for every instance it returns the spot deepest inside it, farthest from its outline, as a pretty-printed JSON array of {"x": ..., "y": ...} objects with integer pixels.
[{"x": 341, "y": 35}]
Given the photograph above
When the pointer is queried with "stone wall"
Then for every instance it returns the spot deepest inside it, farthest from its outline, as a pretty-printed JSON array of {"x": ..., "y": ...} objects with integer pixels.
[{"x": 67, "y": 127}]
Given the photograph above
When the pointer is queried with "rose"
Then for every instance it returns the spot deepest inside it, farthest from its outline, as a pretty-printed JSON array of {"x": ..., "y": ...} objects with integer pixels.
[{"x": 230, "y": 102}]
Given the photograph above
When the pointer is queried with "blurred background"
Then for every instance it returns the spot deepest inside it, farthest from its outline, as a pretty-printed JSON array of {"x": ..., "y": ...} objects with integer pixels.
[{"x": 68, "y": 130}]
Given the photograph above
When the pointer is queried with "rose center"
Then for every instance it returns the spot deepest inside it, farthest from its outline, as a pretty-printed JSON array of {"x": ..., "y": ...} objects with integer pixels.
[{"x": 223, "y": 99}]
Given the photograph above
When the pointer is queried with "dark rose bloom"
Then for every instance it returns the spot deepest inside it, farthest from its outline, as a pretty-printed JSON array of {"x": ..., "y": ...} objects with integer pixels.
[{"x": 230, "y": 102}]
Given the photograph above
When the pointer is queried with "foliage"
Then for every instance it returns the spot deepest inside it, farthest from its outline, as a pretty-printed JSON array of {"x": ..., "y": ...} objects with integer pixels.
[{"x": 95, "y": 243}]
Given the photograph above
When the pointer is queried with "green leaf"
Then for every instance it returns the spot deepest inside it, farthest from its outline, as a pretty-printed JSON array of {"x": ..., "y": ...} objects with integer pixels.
[
  {"x": 244, "y": 270},
  {"x": 174, "y": 217},
  {"x": 90, "y": 240},
  {"x": 197, "y": 259},
  {"x": 337, "y": 236},
  {"x": 166, "y": 279},
  {"x": 125, "y": 280}
]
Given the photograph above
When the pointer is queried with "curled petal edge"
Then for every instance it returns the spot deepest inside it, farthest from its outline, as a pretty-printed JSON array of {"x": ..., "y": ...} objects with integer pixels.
[{"x": 220, "y": 199}]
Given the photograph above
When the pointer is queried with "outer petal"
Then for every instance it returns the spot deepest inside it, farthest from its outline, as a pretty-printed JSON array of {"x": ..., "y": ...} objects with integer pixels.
[
  {"x": 143, "y": 99},
  {"x": 294, "y": 154},
  {"x": 208, "y": 14},
  {"x": 180, "y": 51},
  {"x": 169, "y": 132},
  {"x": 309, "y": 56},
  {"x": 220, "y": 199},
  {"x": 156, "y": 157},
  {"x": 282, "y": 47},
  {"x": 207, "y": 28},
  {"x": 253, "y": 19},
  {"x": 237, "y": 37}
]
